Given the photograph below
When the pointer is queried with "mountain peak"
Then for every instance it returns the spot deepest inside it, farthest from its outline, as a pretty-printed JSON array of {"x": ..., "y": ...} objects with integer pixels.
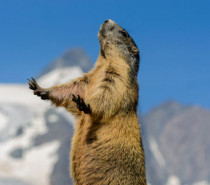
[
  {"x": 71, "y": 58},
  {"x": 70, "y": 65}
]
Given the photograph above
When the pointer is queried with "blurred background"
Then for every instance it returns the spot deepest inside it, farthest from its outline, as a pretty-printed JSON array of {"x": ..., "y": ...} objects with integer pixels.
[{"x": 55, "y": 41}]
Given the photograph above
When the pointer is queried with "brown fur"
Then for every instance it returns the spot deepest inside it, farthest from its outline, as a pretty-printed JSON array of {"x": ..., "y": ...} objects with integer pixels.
[{"x": 107, "y": 146}]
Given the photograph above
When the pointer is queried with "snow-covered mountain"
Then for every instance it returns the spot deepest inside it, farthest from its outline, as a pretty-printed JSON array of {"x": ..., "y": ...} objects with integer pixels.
[
  {"x": 35, "y": 138},
  {"x": 69, "y": 66}
]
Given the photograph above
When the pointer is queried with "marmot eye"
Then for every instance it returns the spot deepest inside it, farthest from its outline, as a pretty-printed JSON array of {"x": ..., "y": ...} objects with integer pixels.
[{"x": 123, "y": 33}]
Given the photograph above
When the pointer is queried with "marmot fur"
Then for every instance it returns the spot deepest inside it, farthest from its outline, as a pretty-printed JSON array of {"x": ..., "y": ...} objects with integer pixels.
[{"x": 107, "y": 146}]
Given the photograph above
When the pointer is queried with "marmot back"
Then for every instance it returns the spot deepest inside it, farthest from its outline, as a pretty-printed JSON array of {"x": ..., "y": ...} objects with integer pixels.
[{"x": 107, "y": 146}]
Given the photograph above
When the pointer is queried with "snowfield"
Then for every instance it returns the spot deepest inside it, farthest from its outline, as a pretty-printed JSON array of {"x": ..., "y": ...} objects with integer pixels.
[{"x": 23, "y": 119}]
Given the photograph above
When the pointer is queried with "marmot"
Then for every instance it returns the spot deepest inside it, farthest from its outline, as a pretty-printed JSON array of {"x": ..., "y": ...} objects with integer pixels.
[{"x": 107, "y": 146}]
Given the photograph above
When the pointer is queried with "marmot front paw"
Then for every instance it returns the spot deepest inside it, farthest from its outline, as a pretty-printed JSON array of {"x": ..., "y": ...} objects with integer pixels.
[
  {"x": 43, "y": 93},
  {"x": 81, "y": 104}
]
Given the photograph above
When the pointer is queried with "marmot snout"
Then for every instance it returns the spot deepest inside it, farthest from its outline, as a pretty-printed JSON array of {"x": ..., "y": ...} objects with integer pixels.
[{"x": 115, "y": 41}]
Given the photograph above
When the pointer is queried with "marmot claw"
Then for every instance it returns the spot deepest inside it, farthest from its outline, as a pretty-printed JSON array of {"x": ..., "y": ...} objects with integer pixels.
[
  {"x": 43, "y": 93},
  {"x": 81, "y": 104}
]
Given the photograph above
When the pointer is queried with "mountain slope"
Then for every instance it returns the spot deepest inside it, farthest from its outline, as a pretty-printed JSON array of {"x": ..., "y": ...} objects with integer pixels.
[
  {"x": 35, "y": 138},
  {"x": 176, "y": 143}
]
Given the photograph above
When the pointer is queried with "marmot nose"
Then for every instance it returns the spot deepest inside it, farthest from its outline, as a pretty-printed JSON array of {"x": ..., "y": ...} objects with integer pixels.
[{"x": 109, "y": 21}]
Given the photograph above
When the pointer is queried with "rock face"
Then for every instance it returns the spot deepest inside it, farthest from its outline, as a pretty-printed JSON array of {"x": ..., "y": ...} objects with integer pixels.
[
  {"x": 35, "y": 138},
  {"x": 176, "y": 142}
]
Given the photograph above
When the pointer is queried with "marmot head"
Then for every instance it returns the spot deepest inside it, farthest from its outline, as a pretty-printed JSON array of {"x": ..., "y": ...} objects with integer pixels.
[{"x": 115, "y": 41}]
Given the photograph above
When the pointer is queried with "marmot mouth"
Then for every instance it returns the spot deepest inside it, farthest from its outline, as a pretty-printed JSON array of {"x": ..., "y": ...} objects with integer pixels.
[
  {"x": 100, "y": 27},
  {"x": 101, "y": 33},
  {"x": 107, "y": 26}
]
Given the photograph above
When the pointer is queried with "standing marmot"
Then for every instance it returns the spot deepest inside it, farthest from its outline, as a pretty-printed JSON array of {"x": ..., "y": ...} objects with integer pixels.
[{"x": 107, "y": 146}]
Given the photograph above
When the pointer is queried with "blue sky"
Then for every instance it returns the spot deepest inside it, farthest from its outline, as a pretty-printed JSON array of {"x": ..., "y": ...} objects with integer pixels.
[{"x": 173, "y": 37}]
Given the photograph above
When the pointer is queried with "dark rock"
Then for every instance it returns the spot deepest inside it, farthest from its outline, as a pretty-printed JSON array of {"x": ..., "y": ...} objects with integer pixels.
[{"x": 17, "y": 153}]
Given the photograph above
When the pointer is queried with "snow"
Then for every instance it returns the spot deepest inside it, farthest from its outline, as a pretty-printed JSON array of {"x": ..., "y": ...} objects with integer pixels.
[
  {"x": 4, "y": 181},
  {"x": 18, "y": 94},
  {"x": 37, "y": 127},
  {"x": 156, "y": 152},
  {"x": 36, "y": 166},
  {"x": 21, "y": 94},
  {"x": 37, "y": 163},
  {"x": 59, "y": 76},
  {"x": 3, "y": 121},
  {"x": 19, "y": 108},
  {"x": 201, "y": 183},
  {"x": 173, "y": 180},
  {"x": 53, "y": 118}
]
